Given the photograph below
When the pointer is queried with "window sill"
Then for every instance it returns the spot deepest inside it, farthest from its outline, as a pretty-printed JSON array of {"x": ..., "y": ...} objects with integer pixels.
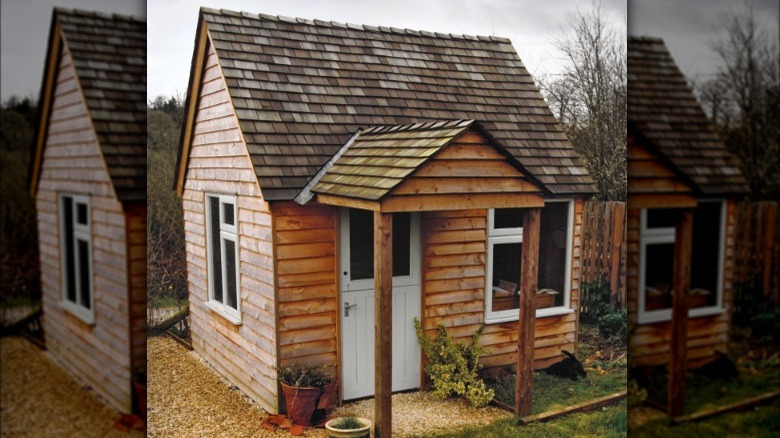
[
  {"x": 219, "y": 309},
  {"x": 84, "y": 315},
  {"x": 666, "y": 314},
  {"x": 541, "y": 313}
]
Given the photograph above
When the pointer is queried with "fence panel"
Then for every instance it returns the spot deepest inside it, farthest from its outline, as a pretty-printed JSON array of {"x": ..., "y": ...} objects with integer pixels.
[{"x": 604, "y": 249}]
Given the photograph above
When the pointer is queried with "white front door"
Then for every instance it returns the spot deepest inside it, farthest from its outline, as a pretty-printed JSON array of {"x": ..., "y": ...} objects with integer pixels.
[{"x": 357, "y": 302}]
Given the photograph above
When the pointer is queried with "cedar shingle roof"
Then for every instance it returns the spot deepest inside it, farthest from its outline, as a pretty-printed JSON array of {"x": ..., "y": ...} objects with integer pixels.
[
  {"x": 665, "y": 112},
  {"x": 301, "y": 88},
  {"x": 109, "y": 55}
]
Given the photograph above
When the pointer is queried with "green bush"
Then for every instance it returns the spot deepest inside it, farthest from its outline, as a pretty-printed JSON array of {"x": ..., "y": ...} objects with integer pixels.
[
  {"x": 766, "y": 325},
  {"x": 454, "y": 367},
  {"x": 614, "y": 325}
]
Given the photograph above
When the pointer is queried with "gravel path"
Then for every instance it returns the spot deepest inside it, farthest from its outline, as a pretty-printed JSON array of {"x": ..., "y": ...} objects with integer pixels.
[
  {"x": 187, "y": 397},
  {"x": 39, "y": 398}
]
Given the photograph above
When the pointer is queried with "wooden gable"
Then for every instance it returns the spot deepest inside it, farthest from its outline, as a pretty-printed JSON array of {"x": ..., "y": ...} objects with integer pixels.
[
  {"x": 654, "y": 182},
  {"x": 438, "y": 166}
]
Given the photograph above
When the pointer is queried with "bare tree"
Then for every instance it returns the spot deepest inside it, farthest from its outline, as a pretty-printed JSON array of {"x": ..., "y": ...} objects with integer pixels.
[
  {"x": 743, "y": 99},
  {"x": 589, "y": 98}
]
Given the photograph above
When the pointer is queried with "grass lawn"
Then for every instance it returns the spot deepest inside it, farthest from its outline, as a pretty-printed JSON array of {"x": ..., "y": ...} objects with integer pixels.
[
  {"x": 604, "y": 361},
  {"x": 757, "y": 422}
]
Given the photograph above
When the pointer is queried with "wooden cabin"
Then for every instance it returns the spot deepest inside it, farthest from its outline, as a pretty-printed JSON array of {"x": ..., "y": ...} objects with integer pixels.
[
  {"x": 683, "y": 186},
  {"x": 326, "y": 167},
  {"x": 88, "y": 177}
]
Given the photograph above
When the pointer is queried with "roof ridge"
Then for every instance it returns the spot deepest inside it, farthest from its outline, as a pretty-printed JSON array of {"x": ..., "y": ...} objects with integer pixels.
[
  {"x": 98, "y": 14},
  {"x": 363, "y": 27},
  {"x": 420, "y": 126}
]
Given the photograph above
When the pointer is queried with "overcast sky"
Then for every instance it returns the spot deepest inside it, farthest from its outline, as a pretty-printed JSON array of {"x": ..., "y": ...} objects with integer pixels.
[
  {"x": 690, "y": 27},
  {"x": 529, "y": 24},
  {"x": 24, "y": 33}
]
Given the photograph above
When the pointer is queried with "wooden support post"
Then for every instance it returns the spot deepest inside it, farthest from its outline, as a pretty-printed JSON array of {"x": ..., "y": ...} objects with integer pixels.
[
  {"x": 682, "y": 282},
  {"x": 618, "y": 221},
  {"x": 383, "y": 320},
  {"x": 528, "y": 285}
]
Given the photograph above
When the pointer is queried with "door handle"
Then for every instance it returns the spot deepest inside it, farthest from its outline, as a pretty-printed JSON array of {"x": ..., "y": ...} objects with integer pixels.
[{"x": 348, "y": 306}]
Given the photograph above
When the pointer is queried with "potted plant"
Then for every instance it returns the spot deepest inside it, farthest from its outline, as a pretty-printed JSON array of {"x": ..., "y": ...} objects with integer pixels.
[
  {"x": 348, "y": 427},
  {"x": 302, "y": 386}
]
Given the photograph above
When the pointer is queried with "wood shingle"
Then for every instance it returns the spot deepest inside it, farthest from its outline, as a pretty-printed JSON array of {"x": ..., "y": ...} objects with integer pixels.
[
  {"x": 664, "y": 113},
  {"x": 301, "y": 88}
]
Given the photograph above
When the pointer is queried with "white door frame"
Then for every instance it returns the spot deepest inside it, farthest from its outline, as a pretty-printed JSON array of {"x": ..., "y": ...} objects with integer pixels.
[{"x": 407, "y": 300}]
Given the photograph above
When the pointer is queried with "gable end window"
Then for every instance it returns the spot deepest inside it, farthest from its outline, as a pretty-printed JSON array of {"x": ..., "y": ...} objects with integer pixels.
[
  {"x": 76, "y": 256},
  {"x": 222, "y": 248},
  {"x": 504, "y": 251}
]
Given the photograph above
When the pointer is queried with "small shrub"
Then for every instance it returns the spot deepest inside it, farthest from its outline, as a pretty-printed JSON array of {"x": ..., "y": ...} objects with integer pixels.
[
  {"x": 305, "y": 376},
  {"x": 614, "y": 325},
  {"x": 348, "y": 423},
  {"x": 454, "y": 367},
  {"x": 766, "y": 325}
]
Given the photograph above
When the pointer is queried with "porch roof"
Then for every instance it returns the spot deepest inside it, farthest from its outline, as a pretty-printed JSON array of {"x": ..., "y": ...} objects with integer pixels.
[{"x": 379, "y": 163}]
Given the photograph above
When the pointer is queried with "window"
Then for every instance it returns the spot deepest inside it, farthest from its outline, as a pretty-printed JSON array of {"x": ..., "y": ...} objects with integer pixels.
[
  {"x": 361, "y": 244},
  {"x": 221, "y": 228},
  {"x": 505, "y": 249},
  {"x": 76, "y": 255},
  {"x": 656, "y": 261}
]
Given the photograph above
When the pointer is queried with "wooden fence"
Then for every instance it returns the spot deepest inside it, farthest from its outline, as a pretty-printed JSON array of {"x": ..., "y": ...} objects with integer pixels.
[
  {"x": 757, "y": 258},
  {"x": 604, "y": 249}
]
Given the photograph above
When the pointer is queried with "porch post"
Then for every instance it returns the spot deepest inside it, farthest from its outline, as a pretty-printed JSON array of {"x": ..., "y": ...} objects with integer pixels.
[
  {"x": 528, "y": 285},
  {"x": 383, "y": 329},
  {"x": 682, "y": 282}
]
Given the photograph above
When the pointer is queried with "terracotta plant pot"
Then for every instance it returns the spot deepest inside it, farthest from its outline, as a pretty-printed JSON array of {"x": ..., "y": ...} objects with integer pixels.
[
  {"x": 300, "y": 403},
  {"x": 348, "y": 433}
]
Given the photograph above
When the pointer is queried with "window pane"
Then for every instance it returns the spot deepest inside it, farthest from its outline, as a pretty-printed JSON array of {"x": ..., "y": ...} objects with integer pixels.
[
  {"x": 227, "y": 214},
  {"x": 216, "y": 253},
  {"x": 84, "y": 277},
  {"x": 68, "y": 251},
  {"x": 81, "y": 213},
  {"x": 659, "y": 266},
  {"x": 705, "y": 254},
  {"x": 508, "y": 218},
  {"x": 506, "y": 275},
  {"x": 361, "y": 244},
  {"x": 401, "y": 244},
  {"x": 662, "y": 217},
  {"x": 552, "y": 254},
  {"x": 230, "y": 272}
]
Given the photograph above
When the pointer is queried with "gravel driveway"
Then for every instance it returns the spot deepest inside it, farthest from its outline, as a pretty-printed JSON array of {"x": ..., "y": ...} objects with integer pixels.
[
  {"x": 39, "y": 398},
  {"x": 187, "y": 397}
]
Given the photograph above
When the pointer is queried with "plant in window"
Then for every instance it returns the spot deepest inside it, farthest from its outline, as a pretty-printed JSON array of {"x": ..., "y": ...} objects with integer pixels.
[{"x": 454, "y": 367}]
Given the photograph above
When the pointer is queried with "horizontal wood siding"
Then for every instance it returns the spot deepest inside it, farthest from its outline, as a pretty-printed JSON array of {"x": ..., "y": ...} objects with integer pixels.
[
  {"x": 648, "y": 174},
  {"x": 219, "y": 163},
  {"x": 454, "y": 259},
  {"x": 649, "y": 343},
  {"x": 306, "y": 263},
  {"x": 98, "y": 354},
  {"x": 467, "y": 173},
  {"x": 136, "y": 251}
]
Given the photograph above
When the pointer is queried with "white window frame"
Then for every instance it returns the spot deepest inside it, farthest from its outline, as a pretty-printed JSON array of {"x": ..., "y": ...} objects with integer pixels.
[
  {"x": 226, "y": 232},
  {"x": 80, "y": 232},
  {"x": 649, "y": 236},
  {"x": 515, "y": 235}
]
